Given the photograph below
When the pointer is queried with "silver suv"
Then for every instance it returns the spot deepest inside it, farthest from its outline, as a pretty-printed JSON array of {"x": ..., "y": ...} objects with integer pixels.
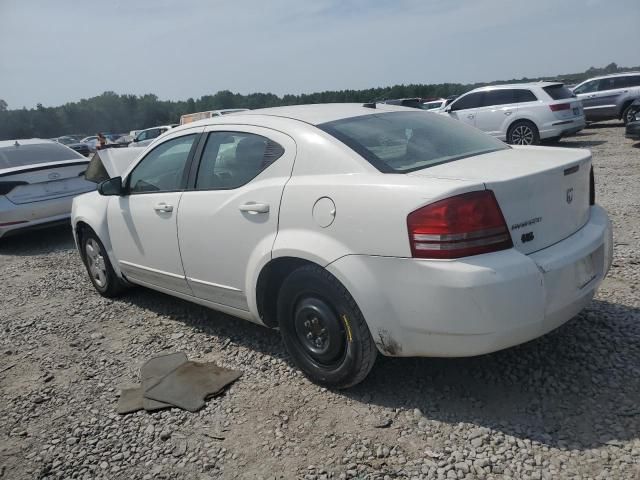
[{"x": 609, "y": 97}]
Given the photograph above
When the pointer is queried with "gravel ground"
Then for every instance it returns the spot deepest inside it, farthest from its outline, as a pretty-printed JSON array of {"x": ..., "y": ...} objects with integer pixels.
[{"x": 564, "y": 406}]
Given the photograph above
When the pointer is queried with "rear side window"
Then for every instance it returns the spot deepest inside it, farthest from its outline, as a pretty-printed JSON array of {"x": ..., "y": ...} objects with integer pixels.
[
  {"x": 558, "y": 92},
  {"x": 521, "y": 96},
  {"x": 498, "y": 97},
  {"x": 473, "y": 100},
  {"x": 36, "y": 153},
  {"x": 400, "y": 142},
  {"x": 232, "y": 159},
  {"x": 626, "y": 81}
]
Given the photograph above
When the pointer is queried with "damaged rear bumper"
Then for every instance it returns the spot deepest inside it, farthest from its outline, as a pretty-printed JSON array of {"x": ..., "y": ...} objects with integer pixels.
[{"x": 479, "y": 304}]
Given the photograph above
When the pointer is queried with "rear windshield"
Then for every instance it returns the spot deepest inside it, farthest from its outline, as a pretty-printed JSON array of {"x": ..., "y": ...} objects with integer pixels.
[
  {"x": 400, "y": 142},
  {"x": 33, "y": 154},
  {"x": 558, "y": 92}
]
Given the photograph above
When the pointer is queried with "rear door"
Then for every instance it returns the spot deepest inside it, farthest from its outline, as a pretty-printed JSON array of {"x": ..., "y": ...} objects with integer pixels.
[
  {"x": 142, "y": 223},
  {"x": 230, "y": 217},
  {"x": 466, "y": 107},
  {"x": 495, "y": 112}
]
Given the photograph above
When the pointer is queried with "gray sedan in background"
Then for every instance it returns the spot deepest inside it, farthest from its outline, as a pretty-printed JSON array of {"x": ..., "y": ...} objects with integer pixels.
[{"x": 38, "y": 180}]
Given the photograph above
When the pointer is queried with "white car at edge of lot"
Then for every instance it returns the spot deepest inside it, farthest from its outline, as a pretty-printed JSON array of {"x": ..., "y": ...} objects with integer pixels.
[
  {"x": 355, "y": 230},
  {"x": 521, "y": 113},
  {"x": 38, "y": 180}
]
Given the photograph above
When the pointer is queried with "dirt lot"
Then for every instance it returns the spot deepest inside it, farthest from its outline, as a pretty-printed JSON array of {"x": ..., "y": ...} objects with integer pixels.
[{"x": 563, "y": 406}]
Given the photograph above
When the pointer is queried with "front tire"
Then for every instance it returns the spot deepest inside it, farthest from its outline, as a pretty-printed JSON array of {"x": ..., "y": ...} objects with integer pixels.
[
  {"x": 323, "y": 329},
  {"x": 99, "y": 268},
  {"x": 628, "y": 115},
  {"x": 523, "y": 132}
]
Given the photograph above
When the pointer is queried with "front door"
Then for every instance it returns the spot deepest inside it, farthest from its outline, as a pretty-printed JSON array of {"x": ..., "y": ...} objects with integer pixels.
[
  {"x": 142, "y": 223},
  {"x": 466, "y": 107},
  {"x": 230, "y": 217}
]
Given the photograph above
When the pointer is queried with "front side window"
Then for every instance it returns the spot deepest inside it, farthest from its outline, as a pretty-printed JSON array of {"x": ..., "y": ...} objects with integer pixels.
[
  {"x": 473, "y": 100},
  {"x": 162, "y": 170},
  {"x": 142, "y": 136},
  {"x": 232, "y": 159},
  {"x": 606, "y": 84},
  {"x": 588, "y": 87},
  {"x": 400, "y": 142}
]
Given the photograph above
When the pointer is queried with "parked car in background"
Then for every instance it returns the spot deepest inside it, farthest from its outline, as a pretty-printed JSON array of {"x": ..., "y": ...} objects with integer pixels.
[
  {"x": 632, "y": 130},
  {"x": 355, "y": 229},
  {"x": 609, "y": 97},
  {"x": 194, "y": 117},
  {"x": 521, "y": 113},
  {"x": 72, "y": 143},
  {"x": 145, "y": 137},
  {"x": 433, "y": 104},
  {"x": 38, "y": 180}
]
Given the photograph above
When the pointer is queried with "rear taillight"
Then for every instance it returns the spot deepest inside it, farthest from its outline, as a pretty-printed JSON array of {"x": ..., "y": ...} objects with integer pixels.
[
  {"x": 467, "y": 224},
  {"x": 560, "y": 106},
  {"x": 592, "y": 187}
]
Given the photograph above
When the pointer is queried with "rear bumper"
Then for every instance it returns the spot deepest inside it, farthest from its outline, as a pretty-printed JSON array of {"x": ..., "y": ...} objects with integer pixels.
[
  {"x": 33, "y": 215},
  {"x": 479, "y": 304},
  {"x": 562, "y": 128}
]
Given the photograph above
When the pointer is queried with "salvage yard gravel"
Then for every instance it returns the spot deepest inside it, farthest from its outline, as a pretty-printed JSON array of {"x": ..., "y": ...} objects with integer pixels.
[{"x": 566, "y": 405}]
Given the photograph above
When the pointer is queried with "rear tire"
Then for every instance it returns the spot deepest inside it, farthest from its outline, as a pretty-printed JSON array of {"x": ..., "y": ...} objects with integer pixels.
[
  {"x": 323, "y": 329},
  {"x": 99, "y": 267},
  {"x": 523, "y": 132}
]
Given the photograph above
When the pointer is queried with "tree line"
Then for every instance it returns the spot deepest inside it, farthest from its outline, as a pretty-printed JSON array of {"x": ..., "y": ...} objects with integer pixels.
[{"x": 115, "y": 113}]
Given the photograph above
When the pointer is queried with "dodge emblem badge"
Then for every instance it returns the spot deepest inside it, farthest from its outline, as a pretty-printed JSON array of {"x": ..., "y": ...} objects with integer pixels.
[{"x": 54, "y": 176}]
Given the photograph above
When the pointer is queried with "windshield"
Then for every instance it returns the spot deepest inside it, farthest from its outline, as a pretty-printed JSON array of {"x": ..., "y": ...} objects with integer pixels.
[
  {"x": 400, "y": 142},
  {"x": 35, "y": 153}
]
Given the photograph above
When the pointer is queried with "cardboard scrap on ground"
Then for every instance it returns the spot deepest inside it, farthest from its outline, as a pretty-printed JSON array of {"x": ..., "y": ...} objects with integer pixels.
[{"x": 172, "y": 380}]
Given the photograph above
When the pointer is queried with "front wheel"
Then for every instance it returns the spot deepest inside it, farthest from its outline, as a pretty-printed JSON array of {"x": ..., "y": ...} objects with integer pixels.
[
  {"x": 99, "y": 268},
  {"x": 628, "y": 115},
  {"x": 323, "y": 329},
  {"x": 523, "y": 133}
]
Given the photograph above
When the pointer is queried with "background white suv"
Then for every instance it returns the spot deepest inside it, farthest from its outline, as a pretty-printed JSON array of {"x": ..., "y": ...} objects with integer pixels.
[{"x": 521, "y": 114}]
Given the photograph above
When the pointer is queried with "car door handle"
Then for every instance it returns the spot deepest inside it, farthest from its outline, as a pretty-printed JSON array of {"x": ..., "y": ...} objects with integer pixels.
[
  {"x": 252, "y": 207},
  {"x": 470, "y": 115},
  {"x": 508, "y": 112},
  {"x": 163, "y": 207}
]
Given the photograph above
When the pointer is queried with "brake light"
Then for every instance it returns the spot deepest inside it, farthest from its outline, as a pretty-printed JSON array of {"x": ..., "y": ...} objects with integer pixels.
[
  {"x": 560, "y": 106},
  {"x": 459, "y": 226},
  {"x": 6, "y": 187}
]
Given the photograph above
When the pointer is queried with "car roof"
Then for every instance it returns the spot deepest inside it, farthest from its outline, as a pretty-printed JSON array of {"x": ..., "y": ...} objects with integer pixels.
[
  {"x": 314, "y": 114},
  {"x": 516, "y": 85},
  {"x": 609, "y": 75},
  {"x": 24, "y": 141}
]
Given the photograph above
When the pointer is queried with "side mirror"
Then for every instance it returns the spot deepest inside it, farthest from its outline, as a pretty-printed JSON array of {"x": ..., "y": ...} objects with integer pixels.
[
  {"x": 447, "y": 108},
  {"x": 111, "y": 187}
]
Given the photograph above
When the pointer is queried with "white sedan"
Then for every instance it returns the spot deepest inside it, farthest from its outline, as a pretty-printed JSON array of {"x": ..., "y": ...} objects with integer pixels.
[{"x": 355, "y": 229}]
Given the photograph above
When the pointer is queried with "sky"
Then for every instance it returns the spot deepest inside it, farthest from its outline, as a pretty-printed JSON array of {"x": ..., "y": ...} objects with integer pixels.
[{"x": 57, "y": 51}]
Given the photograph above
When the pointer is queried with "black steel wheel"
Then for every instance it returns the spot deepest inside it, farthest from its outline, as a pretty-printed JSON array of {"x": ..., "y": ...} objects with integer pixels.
[{"x": 323, "y": 328}]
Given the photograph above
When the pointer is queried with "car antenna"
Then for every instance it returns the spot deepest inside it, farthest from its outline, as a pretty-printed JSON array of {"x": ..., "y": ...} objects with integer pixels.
[{"x": 16, "y": 144}]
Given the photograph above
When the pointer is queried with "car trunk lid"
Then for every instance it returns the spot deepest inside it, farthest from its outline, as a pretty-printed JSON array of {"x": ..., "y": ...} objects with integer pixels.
[
  {"x": 543, "y": 192},
  {"x": 45, "y": 181}
]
